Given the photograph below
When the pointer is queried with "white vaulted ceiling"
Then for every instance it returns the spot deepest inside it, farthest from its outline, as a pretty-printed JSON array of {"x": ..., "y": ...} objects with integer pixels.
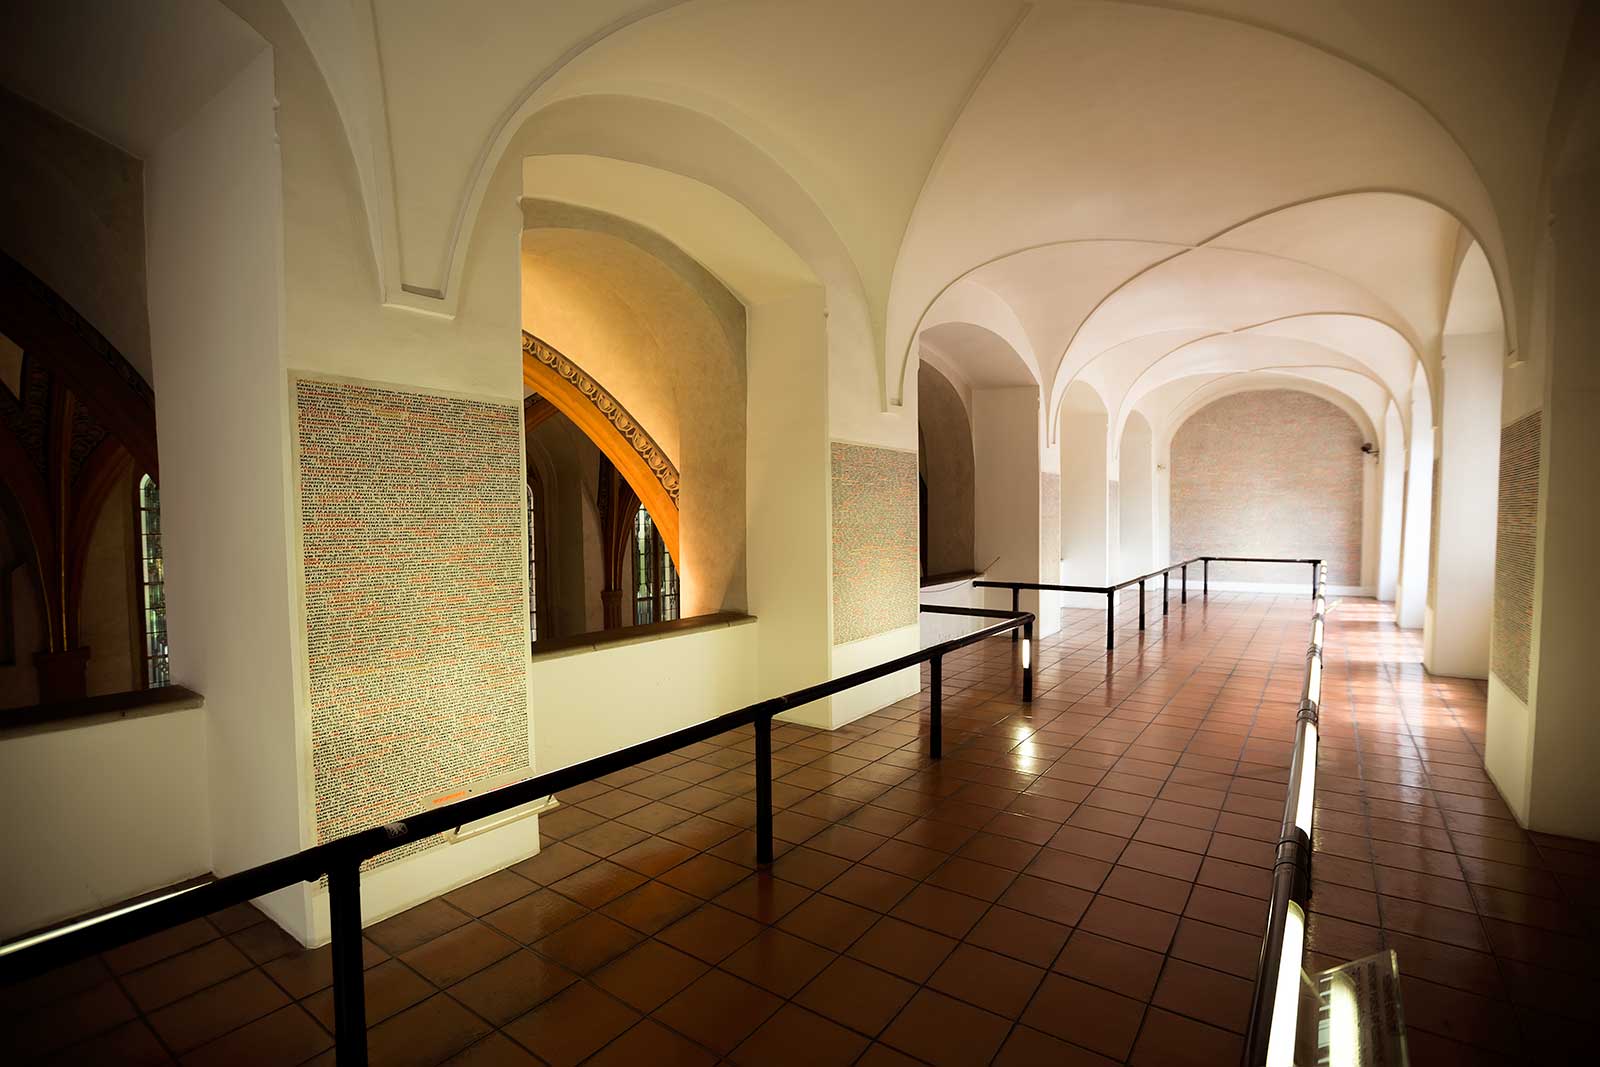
[
  {"x": 1123, "y": 179},
  {"x": 1094, "y": 186}
]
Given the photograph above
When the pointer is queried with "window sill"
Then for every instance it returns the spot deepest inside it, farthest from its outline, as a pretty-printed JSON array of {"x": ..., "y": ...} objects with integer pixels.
[
  {"x": 577, "y": 644},
  {"x": 941, "y": 581},
  {"x": 91, "y": 711}
]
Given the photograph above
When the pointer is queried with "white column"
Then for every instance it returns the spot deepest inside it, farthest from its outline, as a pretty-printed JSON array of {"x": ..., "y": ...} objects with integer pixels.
[
  {"x": 214, "y": 211},
  {"x": 1083, "y": 503},
  {"x": 1391, "y": 510},
  {"x": 1461, "y": 602},
  {"x": 1411, "y": 599},
  {"x": 1136, "y": 493},
  {"x": 1005, "y": 443}
]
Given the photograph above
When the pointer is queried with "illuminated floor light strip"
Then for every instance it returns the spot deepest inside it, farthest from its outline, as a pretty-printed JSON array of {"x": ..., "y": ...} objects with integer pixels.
[
  {"x": 1344, "y": 1031},
  {"x": 1286, "y": 1000},
  {"x": 1308, "y": 783},
  {"x": 93, "y": 920}
]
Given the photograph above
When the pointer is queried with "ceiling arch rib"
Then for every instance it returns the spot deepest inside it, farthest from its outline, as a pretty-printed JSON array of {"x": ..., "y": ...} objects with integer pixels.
[
  {"x": 1209, "y": 291},
  {"x": 1232, "y": 354},
  {"x": 1194, "y": 151},
  {"x": 689, "y": 145},
  {"x": 971, "y": 305},
  {"x": 982, "y": 358}
]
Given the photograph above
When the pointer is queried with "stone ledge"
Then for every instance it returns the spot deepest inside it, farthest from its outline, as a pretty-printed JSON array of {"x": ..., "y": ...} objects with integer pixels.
[
  {"x": 633, "y": 635},
  {"x": 91, "y": 711}
]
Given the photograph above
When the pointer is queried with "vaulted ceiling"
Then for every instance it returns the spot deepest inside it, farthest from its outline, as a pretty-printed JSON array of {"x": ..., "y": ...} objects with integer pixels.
[{"x": 1127, "y": 193}]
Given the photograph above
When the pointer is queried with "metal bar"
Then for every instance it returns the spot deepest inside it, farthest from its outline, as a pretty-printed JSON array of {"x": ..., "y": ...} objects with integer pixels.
[
  {"x": 34, "y": 955},
  {"x": 936, "y": 707},
  {"x": 1316, "y": 567},
  {"x": 349, "y": 973},
  {"x": 764, "y": 790},
  {"x": 1205, "y": 577},
  {"x": 1164, "y": 593},
  {"x": 1027, "y": 662},
  {"x": 1016, "y": 598},
  {"x": 1141, "y": 603},
  {"x": 1183, "y": 597},
  {"x": 1111, "y": 619},
  {"x": 1271, "y": 958},
  {"x": 1042, "y": 587}
]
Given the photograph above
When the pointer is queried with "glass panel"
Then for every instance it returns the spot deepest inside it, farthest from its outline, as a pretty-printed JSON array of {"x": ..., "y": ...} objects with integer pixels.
[{"x": 152, "y": 577}]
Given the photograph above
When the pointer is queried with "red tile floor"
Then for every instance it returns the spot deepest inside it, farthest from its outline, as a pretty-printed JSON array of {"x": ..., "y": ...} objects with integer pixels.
[{"x": 1082, "y": 881}]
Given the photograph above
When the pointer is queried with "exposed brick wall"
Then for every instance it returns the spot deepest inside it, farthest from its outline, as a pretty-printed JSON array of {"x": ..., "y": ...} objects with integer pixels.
[
  {"x": 1269, "y": 473},
  {"x": 1516, "y": 541},
  {"x": 875, "y": 564}
]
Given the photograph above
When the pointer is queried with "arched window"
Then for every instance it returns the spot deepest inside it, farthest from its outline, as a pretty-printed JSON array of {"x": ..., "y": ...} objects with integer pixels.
[
  {"x": 152, "y": 586},
  {"x": 655, "y": 579},
  {"x": 533, "y": 566}
]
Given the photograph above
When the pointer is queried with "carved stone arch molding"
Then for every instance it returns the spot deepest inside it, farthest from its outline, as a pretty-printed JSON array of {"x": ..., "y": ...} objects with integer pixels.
[{"x": 618, "y": 435}]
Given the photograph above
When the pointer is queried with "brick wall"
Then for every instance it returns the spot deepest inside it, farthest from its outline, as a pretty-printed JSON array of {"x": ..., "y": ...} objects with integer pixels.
[
  {"x": 1516, "y": 547},
  {"x": 1269, "y": 473},
  {"x": 875, "y": 565}
]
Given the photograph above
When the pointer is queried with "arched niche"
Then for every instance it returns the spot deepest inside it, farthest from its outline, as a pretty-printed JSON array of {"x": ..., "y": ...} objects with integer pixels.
[
  {"x": 947, "y": 474},
  {"x": 643, "y": 348}
]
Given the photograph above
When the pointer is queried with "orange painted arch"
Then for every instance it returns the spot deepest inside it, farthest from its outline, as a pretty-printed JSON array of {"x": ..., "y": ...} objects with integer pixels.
[{"x": 624, "y": 454}]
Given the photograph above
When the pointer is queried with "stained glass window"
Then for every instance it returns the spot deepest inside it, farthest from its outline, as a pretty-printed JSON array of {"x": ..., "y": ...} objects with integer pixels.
[
  {"x": 533, "y": 576},
  {"x": 655, "y": 579},
  {"x": 152, "y": 586}
]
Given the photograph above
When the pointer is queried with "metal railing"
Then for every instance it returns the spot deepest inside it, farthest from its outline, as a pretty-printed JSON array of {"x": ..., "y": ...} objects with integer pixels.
[
  {"x": 340, "y": 860},
  {"x": 1110, "y": 591},
  {"x": 1275, "y": 1004}
]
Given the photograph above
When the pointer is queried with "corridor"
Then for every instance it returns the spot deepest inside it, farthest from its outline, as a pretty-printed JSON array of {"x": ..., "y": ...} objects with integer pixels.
[{"x": 1082, "y": 881}]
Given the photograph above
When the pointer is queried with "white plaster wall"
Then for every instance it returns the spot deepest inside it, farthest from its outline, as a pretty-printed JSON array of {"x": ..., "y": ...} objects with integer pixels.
[
  {"x": 215, "y": 243},
  {"x": 99, "y": 813},
  {"x": 1391, "y": 505},
  {"x": 788, "y": 496},
  {"x": 1456, "y": 629},
  {"x": 852, "y": 704},
  {"x": 1006, "y": 471},
  {"x": 1412, "y": 594},
  {"x": 1083, "y": 504},
  {"x": 652, "y": 688}
]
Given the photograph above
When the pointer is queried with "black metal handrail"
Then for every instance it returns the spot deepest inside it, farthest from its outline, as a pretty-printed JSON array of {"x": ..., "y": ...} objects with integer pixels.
[
  {"x": 1274, "y": 1007},
  {"x": 340, "y": 860},
  {"x": 1110, "y": 591}
]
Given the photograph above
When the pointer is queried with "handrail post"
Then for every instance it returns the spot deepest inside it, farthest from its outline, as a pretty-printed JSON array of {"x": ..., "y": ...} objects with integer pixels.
[
  {"x": 1027, "y": 662},
  {"x": 1316, "y": 565},
  {"x": 936, "y": 707},
  {"x": 1164, "y": 594},
  {"x": 764, "y": 789},
  {"x": 1205, "y": 576},
  {"x": 349, "y": 973},
  {"x": 1141, "y": 603},
  {"x": 1016, "y": 598},
  {"x": 1111, "y": 619},
  {"x": 1183, "y": 597}
]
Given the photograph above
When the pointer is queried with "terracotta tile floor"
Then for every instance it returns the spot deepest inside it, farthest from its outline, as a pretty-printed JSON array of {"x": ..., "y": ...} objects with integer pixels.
[{"x": 1079, "y": 882}]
